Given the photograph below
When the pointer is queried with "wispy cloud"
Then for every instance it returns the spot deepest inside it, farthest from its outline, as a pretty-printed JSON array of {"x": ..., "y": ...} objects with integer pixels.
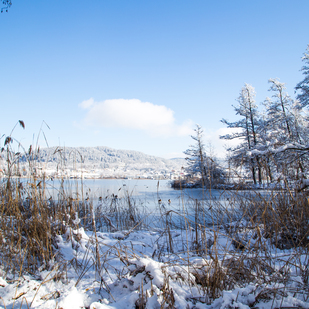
[{"x": 157, "y": 120}]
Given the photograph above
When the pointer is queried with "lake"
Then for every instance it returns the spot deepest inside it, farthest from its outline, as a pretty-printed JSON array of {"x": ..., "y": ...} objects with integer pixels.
[
  {"x": 148, "y": 192},
  {"x": 153, "y": 199}
]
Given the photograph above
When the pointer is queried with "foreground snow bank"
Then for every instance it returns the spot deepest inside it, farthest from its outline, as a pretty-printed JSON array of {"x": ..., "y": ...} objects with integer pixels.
[{"x": 162, "y": 269}]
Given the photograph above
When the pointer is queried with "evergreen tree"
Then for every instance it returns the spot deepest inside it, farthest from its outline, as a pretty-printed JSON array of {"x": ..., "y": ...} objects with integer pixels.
[
  {"x": 303, "y": 86},
  {"x": 200, "y": 165},
  {"x": 196, "y": 156}
]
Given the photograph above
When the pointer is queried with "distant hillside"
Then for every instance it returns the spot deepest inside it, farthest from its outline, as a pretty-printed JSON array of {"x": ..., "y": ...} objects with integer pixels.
[{"x": 107, "y": 162}]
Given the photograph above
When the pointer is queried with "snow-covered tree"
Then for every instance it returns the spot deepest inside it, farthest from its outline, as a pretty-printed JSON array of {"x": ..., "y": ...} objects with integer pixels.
[
  {"x": 279, "y": 129},
  {"x": 303, "y": 86},
  {"x": 278, "y": 109},
  {"x": 283, "y": 135},
  {"x": 248, "y": 133},
  {"x": 195, "y": 155},
  {"x": 275, "y": 143},
  {"x": 200, "y": 165}
]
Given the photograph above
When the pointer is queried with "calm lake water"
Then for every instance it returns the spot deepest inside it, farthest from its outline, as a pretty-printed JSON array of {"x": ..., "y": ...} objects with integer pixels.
[
  {"x": 154, "y": 199},
  {"x": 146, "y": 191}
]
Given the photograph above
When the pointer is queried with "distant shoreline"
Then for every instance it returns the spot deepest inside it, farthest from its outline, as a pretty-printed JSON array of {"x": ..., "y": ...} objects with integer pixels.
[{"x": 82, "y": 178}]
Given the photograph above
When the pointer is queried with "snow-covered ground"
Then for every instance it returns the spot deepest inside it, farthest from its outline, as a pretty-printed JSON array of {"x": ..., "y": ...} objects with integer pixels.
[{"x": 163, "y": 269}]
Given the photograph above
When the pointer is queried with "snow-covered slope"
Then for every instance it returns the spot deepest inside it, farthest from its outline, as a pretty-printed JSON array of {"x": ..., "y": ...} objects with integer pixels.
[{"x": 106, "y": 162}]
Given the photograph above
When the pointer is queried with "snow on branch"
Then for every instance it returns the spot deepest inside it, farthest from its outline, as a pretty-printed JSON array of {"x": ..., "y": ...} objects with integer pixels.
[{"x": 283, "y": 148}]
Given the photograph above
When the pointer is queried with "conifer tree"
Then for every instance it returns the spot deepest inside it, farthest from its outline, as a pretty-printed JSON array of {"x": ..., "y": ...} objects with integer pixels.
[
  {"x": 200, "y": 165},
  {"x": 303, "y": 86},
  {"x": 248, "y": 133}
]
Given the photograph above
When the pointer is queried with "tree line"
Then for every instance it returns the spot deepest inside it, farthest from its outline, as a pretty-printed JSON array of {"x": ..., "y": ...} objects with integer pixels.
[{"x": 273, "y": 138}]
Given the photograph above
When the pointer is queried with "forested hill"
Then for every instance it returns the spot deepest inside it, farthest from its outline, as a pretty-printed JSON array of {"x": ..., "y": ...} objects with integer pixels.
[{"x": 107, "y": 161}]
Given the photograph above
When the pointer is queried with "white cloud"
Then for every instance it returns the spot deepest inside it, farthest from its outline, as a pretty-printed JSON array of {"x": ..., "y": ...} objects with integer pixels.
[
  {"x": 157, "y": 120},
  {"x": 87, "y": 103}
]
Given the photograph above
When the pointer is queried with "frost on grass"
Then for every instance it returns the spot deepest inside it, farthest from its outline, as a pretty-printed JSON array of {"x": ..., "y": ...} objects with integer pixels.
[{"x": 139, "y": 269}]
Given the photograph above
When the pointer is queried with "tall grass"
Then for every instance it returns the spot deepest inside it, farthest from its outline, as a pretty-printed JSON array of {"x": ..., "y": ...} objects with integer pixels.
[{"x": 259, "y": 227}]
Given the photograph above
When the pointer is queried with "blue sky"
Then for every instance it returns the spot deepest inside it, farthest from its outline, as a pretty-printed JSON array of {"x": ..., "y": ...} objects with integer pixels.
[{"x": 139, "y": 74}]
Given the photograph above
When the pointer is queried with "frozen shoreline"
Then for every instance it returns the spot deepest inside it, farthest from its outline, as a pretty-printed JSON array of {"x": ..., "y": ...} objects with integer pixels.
[{"x": 140, "y": 269}]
